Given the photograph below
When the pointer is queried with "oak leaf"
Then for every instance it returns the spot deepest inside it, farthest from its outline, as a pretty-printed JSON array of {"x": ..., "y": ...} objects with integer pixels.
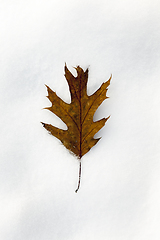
[{"x": 78, "y": 115}]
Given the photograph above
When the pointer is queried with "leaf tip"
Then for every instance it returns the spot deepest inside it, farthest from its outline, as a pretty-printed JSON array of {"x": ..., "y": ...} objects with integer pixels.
[
  {"x": 65, "y": 67},
  {"x": 108, "y": 117},
  {"x": 43, "y": 124},
  {"x": 109, "y": 80}
]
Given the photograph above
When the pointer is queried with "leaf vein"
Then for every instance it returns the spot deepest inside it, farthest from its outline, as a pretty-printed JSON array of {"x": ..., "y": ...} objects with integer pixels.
[
  {"x": 92, "y": 105},
  {"x": 68, "y": 114}
]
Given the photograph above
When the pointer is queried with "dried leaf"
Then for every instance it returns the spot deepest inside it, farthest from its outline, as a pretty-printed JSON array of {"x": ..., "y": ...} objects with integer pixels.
[{"x": 78, "y": 115}]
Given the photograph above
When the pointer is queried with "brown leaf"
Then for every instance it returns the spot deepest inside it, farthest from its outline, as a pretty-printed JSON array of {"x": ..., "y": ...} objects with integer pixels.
[{"x": 78, "y": 115}]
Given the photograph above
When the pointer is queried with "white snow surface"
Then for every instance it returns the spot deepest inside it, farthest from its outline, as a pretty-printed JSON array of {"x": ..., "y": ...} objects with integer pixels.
[{"x": 120, "y": 186}]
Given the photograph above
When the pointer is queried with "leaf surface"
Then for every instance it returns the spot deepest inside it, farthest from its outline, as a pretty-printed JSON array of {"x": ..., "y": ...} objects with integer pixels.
[{"x": 78, "y": 115}]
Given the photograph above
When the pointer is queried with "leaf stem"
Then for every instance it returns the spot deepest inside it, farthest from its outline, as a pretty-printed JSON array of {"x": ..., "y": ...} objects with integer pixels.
[{"x": 79, "y": 177}]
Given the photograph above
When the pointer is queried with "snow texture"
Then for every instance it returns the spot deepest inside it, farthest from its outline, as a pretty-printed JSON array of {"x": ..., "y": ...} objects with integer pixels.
[{"x": 120, "y": 186}]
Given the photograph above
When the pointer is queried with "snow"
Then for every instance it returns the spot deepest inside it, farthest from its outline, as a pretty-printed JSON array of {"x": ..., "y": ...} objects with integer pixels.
[{"x": 120, "y": 185}]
